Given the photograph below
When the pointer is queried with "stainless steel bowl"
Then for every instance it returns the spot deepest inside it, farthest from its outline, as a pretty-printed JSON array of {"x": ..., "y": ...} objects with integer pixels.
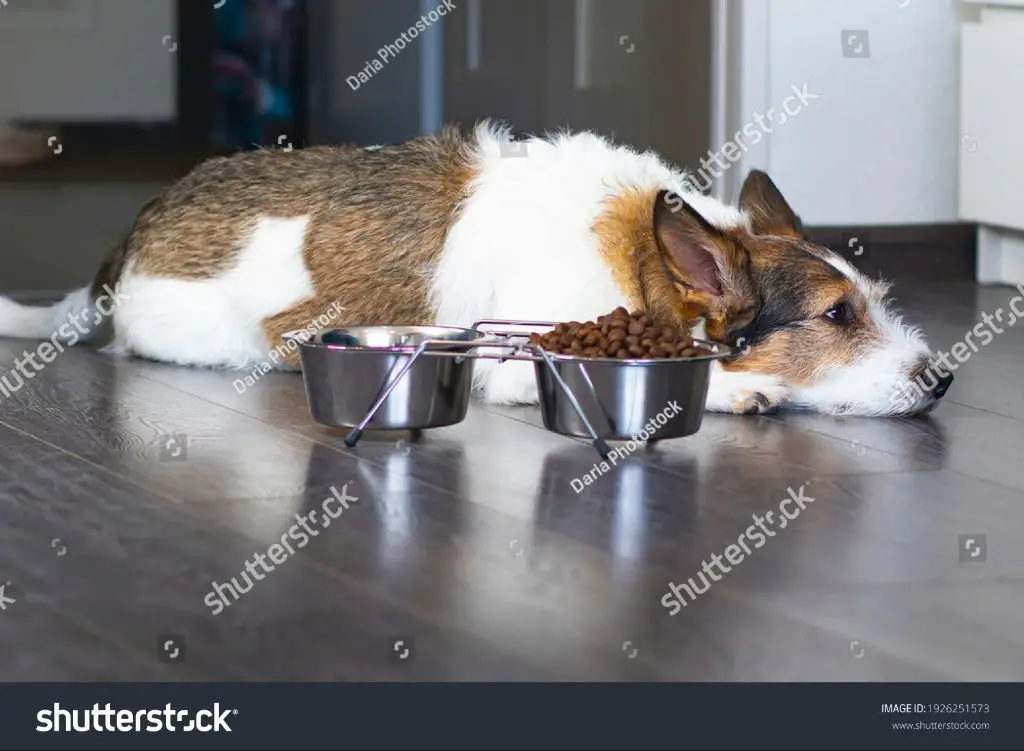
[
  {"x": 347, "y": 369},
  {"x": 620, "y": 398}
]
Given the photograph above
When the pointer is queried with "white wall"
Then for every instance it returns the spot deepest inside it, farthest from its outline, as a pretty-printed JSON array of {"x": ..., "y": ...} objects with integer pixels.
[
  {"x": 84, "y": 60},
  {"x": 880, "y": 143}
]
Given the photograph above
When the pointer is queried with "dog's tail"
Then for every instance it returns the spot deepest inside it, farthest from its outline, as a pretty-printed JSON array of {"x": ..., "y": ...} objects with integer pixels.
[{"x": 76, "y": 318}]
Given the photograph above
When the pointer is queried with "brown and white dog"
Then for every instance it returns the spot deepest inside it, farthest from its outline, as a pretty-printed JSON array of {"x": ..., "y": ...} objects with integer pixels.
[{"x": 456, "y": 227}]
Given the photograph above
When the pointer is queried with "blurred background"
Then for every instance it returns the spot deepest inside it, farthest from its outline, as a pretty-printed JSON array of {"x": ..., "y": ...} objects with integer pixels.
[{"x": 893, "y": 153}]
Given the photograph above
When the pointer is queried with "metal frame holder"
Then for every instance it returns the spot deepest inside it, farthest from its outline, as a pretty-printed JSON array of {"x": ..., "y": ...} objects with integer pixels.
[{"x": 500, "y": 339}]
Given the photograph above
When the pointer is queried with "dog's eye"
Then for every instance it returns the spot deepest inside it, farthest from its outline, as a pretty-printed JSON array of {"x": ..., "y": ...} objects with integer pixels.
[{"x": 839, "y": 313}]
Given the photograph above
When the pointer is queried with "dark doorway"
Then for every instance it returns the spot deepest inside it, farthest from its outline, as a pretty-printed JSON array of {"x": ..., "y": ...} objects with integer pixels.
[{"x": 259, "y": 77}]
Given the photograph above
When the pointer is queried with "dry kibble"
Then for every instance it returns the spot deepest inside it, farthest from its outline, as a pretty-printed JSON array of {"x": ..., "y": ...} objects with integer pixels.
[{"x": 618, "y": 335}]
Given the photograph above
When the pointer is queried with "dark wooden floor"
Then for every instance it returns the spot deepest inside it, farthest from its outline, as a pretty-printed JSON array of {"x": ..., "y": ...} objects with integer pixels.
[{"x": 471, "y": 545}]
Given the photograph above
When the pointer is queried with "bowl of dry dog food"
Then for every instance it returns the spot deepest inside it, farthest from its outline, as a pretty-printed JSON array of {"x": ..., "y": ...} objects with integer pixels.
[
  {"x": 617, "y": 378},
  {"x": 630, "y": 377}
]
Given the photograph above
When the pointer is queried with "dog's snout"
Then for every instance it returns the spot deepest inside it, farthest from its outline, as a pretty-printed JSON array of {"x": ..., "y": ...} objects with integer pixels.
[
  {"x": 942, "y": 386},
  {"x": 932, "y": 378},
  {"x": 923, "y": 366}
]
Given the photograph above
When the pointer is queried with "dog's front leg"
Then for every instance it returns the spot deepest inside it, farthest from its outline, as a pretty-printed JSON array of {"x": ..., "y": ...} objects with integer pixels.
[{"x": 745, "y": 393}]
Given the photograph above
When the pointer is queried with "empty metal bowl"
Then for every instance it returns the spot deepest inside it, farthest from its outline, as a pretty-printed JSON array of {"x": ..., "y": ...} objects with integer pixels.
[
  {"x": 627, "y": 399},
  {"x": 347, "y": 369}
]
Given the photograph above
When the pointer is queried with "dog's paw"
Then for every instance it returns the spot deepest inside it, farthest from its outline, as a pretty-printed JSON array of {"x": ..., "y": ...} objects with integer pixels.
[
  {"x": 759, "y": 402},
  {"x": 746, "y": 393}
]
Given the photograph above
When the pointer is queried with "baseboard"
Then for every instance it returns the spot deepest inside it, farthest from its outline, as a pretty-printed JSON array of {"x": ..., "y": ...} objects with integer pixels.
[
  {"x": 37, "y": 298},
  {"x": 921, "y": 252},
  {"x": 78, "y": 163},
  {"x": 129, "y": 136}
]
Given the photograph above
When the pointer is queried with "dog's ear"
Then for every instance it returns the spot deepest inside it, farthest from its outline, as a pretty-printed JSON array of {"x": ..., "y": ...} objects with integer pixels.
[
  {"x": 769, "y": 213},
  {"x": 692, "y": 246},
  {"x": 712, "y": 266}
]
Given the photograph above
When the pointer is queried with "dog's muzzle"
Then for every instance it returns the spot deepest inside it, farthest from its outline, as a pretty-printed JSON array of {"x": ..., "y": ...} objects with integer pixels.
[{"x": 933, "y": 380}]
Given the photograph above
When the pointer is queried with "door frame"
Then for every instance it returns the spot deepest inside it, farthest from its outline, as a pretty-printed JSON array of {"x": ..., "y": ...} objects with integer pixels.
[{"x": 741, "y": 84}]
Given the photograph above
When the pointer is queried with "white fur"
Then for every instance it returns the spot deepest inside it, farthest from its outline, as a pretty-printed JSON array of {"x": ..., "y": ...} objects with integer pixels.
[
  {"x": 524, "y": 247},
  {"x": 55, "y": 322},
  {"x": 727, "y": 389},
  {"x": 217, "y": 322}
]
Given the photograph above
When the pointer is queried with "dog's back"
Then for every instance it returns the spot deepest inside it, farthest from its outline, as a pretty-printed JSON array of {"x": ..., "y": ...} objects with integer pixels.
[{"x": 246, "y": 247}]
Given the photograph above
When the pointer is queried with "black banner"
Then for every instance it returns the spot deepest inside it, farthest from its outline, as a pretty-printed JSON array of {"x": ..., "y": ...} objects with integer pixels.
[{"x": 511, "y": 716}]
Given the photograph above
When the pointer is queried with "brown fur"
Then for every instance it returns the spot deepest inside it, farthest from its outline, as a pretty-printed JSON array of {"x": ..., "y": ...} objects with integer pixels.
[
  {"x": 628, "y": 246},
  {"x": 633, "y": 237},
  {"x": 768, "y": 211},
  {"x": 800, "y": 354},
  {"x": 798, "y": 342},
  {"x": 377, "y": 223}
]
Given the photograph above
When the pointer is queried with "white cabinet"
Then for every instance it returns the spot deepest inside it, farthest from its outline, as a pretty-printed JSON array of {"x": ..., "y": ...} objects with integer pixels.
[{"x": 991, "y": 177}]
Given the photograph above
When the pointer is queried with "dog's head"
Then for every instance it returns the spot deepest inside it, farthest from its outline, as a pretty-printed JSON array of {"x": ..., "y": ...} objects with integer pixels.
[{"x": 794, "y": 309}]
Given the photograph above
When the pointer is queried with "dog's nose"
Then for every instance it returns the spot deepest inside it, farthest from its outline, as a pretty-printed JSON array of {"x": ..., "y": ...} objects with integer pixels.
[{"x": 942, "y": 386}]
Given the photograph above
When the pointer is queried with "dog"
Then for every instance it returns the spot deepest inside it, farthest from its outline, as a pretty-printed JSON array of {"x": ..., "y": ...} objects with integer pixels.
[{"x": 464, "y": 225}]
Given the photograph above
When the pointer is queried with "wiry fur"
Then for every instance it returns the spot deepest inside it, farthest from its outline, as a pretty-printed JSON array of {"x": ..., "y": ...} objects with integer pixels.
[{"x": 451, "y": 228}]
